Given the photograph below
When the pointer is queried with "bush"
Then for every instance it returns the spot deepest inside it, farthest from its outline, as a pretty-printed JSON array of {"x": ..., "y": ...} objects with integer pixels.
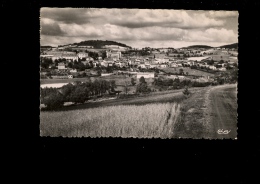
[
  {"x": 53, "y": 101},
  {"x": 186, "y": 92}
]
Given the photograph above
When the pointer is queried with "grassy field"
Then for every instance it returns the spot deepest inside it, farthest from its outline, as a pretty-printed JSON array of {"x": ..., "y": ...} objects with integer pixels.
[
  {"x": 173, "y": 96},
  {"x": 189, "y": 70},
  {"x": 120, "y": 79},
  {"x": 145, "y": 121},
  {"x": 192, "y": 122},
  {"x": 53, "y": 81},
  {"x": 221, "y": 57}
]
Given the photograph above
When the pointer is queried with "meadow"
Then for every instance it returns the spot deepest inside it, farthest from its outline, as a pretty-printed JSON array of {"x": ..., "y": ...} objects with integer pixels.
[
  {"x": 54, "y": 81},
  {"x": 143, "y": 121},
  {"x": 189, "y": 70}
]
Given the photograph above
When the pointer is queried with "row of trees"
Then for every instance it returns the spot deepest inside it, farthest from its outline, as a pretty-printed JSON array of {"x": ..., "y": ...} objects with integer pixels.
[
  {"x": 177, "y": 84},
  {"x": 78, "y": 92}
]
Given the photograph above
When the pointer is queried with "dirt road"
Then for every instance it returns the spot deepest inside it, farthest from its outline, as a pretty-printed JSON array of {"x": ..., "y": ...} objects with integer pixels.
[{"x": 221, "y": 111}]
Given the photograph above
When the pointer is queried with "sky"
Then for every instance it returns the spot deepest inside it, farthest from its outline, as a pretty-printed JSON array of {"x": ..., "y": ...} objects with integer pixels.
[{"x": 138, "y": 28}]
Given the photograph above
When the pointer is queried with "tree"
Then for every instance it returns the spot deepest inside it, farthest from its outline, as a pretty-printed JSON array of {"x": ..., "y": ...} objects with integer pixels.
[
  {"x": 126, "y": 88},
  {"x": 70, "y": 65},
  {"x": 142, "y": 80},
  {"x": 181, "y": 71},
  {"x": 132, "y": 81},
  {"x": 112, "y": 85},
  {"x": 187, "y": 73},
  {"x": 186, "y": 92},
  {"x": 53, "y": 100},
  {"x": 81, "y": 66},
  {"x": 66, "y": 91},
  {"x": 79, "y": 94},
  {"x": 103, "y": 55},
  {"x": 221, "y": 61},
  {"x": 142, "y": 86}
]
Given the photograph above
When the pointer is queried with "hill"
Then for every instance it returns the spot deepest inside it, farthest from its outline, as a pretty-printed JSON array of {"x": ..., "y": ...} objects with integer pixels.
[
  {"x": 100, "y": 43},
  {"x": 230, "y": 46},
  {"x": 45, "y": 46},
  {"x": 198, "y": 46}
]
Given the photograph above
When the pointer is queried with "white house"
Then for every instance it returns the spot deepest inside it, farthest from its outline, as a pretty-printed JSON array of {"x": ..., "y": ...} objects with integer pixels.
[
  {"x": 82, "y": 55},
  {"x": 145, "y": 75},
  {"x": 61, "y": 66},
  {"x": 222, "y": 69},
  {"x": 73, "y": 71},
  {"x": 212, "y": 67},
  {"x": 163, "y": 66},
  {"x": 142, "y": 65},
  {"x": 113, "y": 54},
  {"x": 106, "y": 74},
  {"x": 153, "y": 66},
  {"x": 174, "y": 65},
  {"x": 176, "y": 77}
]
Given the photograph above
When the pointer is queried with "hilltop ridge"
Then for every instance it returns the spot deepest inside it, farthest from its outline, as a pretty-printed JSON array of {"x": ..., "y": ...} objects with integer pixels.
[{"x": 98, "y": 43}]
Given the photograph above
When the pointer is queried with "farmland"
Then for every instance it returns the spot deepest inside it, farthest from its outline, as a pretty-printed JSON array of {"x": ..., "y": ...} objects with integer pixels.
[
  {"x": 152, "y": 115},
  {"x": 174, "y": 96},
  {"x": 143, "y": 121},
  {"x": 54, "y": 81},
  {"x": 166, "y": 114},
  {"x": 189, "y": 70},
  {"x": 223, "y": 57}
]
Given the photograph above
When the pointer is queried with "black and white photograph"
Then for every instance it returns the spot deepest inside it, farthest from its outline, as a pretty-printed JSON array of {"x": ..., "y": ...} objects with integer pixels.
[{"x": 138, "y": 73}]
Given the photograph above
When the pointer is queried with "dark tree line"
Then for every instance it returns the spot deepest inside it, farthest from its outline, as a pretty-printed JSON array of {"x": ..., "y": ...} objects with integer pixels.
[
  {"x": 177, "y": 84},
  {"x": 79, "y": 92}
]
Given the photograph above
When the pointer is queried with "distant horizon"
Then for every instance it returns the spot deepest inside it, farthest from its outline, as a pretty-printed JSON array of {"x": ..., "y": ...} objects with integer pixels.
[
  {"x": 138, "y": 28},
  {"x": 147, "y": 46}
]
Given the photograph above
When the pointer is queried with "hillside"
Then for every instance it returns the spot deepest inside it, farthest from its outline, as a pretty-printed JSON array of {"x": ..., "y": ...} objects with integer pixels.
[
  {"x": 45, "y": 46},
  {"x": 230, "y": 46},
  {"x": 100, "y": 43},
  {"x": 198, "y": 46}
]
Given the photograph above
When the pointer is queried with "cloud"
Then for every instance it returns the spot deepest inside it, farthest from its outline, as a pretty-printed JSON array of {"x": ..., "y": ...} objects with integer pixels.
[
  {"x": 222, "y": 14},
  {"x": 52, "y": 29},
  {"x": 166, "y": 18},
  {"x": 139, "y": 26},
  {"x": 67, "y": 15},
  {"x": 212, "y": 35},
  {"x": 87, "y": 30}
]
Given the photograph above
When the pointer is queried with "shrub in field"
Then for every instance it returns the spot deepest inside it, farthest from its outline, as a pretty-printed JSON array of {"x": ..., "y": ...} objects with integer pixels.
[
  {"x": 186, "y": 92},
  {"x": 142, "y": 88},
  {"x": 132, "y": 81},
  {"x": 53, "y": 101}
]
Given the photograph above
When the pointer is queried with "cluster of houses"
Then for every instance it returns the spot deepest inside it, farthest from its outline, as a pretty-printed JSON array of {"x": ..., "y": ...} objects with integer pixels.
[
  {"x": 70, "y": 56},
  {"x": 158, "y": 58}
]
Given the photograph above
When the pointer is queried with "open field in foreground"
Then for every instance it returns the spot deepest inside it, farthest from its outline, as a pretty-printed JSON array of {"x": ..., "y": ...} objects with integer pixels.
[
  {"x": 165, "y": 115},
  {"x": 151, "y": 120}
]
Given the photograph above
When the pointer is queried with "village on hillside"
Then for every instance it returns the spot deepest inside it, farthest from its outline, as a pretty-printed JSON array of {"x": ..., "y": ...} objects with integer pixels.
[{"x": 73, "y": 61}]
